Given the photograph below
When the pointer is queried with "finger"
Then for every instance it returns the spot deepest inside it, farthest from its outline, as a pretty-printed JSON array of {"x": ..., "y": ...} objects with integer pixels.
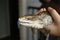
[
  {"x": 41, "y": 10},
  {"x": 54, "y": 15},
  {"x": 44, "y": 9}
]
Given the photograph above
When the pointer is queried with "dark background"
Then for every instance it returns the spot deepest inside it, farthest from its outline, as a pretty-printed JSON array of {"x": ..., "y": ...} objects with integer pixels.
[{"x": 13, "y": 9}]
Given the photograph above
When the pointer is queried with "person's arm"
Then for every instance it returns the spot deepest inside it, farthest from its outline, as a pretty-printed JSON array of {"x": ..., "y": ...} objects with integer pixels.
[{"x": 55, "y": 27}]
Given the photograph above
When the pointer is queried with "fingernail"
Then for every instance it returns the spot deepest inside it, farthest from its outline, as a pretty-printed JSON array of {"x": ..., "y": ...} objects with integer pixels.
[
  {"x": 49, "y": 8},
  {"x": 41, "y": 10},
  {"x": 44, "y": 9}
]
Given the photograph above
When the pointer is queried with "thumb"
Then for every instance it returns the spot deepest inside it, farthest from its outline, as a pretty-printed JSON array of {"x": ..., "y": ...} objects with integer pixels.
[
  {"x": 52, "y": 11},
  {"x": 54, "y": 14}
]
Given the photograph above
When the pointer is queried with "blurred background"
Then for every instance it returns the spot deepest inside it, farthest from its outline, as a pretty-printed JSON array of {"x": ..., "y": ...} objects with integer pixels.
[
  {"x": 8, "y": 20},
  {"x": 4, "y": 19}
]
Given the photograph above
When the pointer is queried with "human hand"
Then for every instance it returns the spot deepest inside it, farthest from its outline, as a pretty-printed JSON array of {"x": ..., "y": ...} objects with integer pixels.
[
  {"x": 55, "y": 27},
  {"x": 55, "y": 15}
]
